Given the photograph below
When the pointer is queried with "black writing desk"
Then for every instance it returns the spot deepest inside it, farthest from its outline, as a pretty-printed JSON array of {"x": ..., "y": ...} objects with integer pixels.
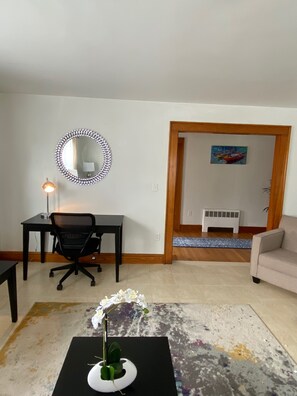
[
  {"x": 105, "y": 224},
  {"x": 151, "y": 356}
]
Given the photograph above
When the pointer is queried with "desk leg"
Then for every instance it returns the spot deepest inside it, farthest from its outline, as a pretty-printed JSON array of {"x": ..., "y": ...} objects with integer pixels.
[
  {"x": 12, "y": 290},
  {"x": 42, "y": 244},
  {"x": 121, "y": 244},
  {"x": 118, "y": 252},
  {"x": 25, "y": 251}
]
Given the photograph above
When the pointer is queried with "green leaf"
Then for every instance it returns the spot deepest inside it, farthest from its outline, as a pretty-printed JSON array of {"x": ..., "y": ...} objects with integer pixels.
[
  {"x": 105, "y": 375},
  {"x": 118, "y": 368},
  {"x": 111, "y": 372},
  {"x": 114, "y": 367},
  {"x": 113, "y": 353}
]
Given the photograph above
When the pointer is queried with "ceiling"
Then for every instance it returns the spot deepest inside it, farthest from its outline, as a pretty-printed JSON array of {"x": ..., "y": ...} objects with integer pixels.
[{"x": 241, "y": 52}]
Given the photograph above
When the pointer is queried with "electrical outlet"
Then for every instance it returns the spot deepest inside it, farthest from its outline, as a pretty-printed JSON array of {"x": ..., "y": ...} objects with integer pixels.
[
  {"x": 155, "y": 187},
  {"x": 157, "y": 236}
]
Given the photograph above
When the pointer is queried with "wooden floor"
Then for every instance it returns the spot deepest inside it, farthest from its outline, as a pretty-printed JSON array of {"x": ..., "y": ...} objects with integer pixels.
[{"x": 212, "y": 254}]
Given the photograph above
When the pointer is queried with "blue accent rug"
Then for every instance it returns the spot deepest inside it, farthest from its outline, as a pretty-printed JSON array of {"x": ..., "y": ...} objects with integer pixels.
[{"x": 231, "y": 243}]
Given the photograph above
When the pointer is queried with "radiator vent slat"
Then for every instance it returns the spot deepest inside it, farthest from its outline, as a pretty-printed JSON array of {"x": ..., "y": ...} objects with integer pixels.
[{"x": 226, "y": 218}]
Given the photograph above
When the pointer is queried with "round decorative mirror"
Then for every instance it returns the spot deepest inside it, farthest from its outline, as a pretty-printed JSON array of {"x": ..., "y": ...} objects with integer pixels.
[{"x": 83, "y": 156}]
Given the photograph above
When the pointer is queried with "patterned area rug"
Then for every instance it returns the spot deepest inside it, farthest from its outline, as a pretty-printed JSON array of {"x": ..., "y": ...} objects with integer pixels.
[
  {"x": 216, "y": 349},
  {"x": 231, "y": 243}
]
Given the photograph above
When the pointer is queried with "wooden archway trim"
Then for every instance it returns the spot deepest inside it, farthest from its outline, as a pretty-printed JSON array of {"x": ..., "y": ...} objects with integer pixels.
[
  {"x": 281, "y": 152},
  {"x": 178, "y": 183}
]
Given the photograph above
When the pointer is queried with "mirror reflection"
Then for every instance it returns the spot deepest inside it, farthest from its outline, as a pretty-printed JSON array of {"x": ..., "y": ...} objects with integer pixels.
[{"x": 82, "y": 157}]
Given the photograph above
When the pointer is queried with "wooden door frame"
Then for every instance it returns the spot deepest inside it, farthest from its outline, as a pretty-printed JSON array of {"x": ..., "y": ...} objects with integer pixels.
[
  {"x": 179, "y": 182},
  {"x": 281, "y": 152}
]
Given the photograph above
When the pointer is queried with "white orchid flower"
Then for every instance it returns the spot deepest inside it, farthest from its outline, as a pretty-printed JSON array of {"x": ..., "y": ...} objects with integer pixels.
[
  {"x": 97, "y": 318},
  {"x": 108, "y": 304}
]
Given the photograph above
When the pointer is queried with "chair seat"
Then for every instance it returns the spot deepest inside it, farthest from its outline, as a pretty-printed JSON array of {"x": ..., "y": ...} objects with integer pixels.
[{"x": 91, "y": 246}]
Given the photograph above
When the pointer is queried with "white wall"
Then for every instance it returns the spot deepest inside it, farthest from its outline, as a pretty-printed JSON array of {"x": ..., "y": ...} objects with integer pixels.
[
  {"x": 138, "y": 134},
  {"x": 3, "y": 148},
  {"x": 207, "y": 185}
]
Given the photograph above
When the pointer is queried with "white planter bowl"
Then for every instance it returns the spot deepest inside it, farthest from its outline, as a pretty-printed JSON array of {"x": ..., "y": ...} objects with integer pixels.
[{"x": 98, "y": 384}]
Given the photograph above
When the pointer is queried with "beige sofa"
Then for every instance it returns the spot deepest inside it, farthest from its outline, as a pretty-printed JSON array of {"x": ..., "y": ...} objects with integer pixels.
[{"x": 274, "y": 255}]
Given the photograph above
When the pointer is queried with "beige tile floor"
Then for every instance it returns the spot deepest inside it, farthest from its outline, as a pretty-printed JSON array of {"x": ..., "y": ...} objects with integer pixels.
[{"x": 183, "y": 281}]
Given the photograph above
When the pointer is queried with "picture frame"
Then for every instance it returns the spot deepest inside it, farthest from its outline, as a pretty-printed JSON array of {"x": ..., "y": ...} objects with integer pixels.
[{"x": 228, "y": 155}]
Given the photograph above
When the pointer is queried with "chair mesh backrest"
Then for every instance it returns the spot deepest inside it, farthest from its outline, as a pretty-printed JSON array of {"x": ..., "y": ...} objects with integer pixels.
[{"x": 73, "y": 230}]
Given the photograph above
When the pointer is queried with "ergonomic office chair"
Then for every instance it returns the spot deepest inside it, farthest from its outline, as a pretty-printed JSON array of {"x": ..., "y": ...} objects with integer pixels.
[{"x": 73, "y": 233}]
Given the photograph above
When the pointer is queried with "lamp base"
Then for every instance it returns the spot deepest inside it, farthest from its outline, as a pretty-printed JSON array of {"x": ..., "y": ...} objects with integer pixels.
[{"x": 45, "y": 215}]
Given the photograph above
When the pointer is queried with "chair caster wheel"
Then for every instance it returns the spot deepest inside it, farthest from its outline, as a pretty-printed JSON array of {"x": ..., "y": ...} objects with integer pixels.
[
  {"x": 93, "y": 283},
  {"x": 51, "y": 274},
  {"x": 59, "y": 287},
  {"x": 99, "y": 269}
]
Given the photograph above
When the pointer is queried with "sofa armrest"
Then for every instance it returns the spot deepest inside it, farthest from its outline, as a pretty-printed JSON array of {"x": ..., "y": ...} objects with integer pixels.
[{"x": 265, "y": 242}]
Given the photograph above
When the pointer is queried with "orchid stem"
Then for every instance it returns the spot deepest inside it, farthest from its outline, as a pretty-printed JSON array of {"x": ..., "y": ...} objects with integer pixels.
[{"x": 105, "y": 340}]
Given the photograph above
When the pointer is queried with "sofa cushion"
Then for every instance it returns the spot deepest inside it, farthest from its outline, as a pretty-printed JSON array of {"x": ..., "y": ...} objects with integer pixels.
[
  {"x": 280, "y": 260},
  {"x": 289, "y": 224}
]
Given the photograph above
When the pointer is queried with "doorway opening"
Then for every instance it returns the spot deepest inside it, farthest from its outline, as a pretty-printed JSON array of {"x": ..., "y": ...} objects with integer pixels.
[{"x": 281, "y": 150}]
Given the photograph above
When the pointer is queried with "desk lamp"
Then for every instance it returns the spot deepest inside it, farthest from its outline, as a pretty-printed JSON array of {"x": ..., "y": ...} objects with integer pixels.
[{"x": 47, "y": 187}]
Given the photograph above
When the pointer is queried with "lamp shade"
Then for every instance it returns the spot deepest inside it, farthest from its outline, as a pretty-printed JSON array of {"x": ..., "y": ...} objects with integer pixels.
[{"x": 48, "y": 186}]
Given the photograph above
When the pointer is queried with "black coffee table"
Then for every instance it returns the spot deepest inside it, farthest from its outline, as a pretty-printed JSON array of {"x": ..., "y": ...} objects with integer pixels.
[{"x": 151, "y": 356}]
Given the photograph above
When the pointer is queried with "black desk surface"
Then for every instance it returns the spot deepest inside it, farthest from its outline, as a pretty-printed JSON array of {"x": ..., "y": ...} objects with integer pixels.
[
  {"x": 106, "y": 220},
  {"x": 151, "y": 356}
]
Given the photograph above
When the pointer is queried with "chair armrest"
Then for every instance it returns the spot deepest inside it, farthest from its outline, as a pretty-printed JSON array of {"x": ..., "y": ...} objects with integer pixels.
[
  {"x": 265, "y": 242},
  {"x": 269, "y": 240}
]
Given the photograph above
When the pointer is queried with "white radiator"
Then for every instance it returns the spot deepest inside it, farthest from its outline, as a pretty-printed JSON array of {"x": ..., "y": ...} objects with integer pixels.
[{"x": 226, "y": 218}]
